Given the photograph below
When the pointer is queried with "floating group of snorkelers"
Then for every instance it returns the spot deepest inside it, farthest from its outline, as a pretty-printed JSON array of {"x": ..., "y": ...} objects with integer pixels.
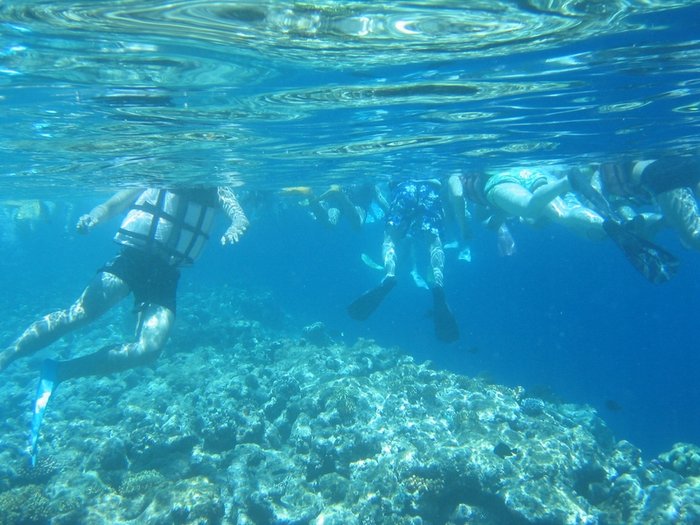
[
  {"x": 165, "y": 229},
  {"x": 627, "y": 202}
]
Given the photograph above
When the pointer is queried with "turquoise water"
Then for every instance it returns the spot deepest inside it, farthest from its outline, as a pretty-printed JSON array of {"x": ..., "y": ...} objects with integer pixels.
[
  {"x": 267, "y": 91},
  {"x": 96, "y": 96}
]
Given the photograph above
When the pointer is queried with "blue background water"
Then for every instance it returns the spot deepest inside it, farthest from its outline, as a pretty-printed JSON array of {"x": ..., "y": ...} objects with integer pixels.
[{"x": 563, "y": 313}]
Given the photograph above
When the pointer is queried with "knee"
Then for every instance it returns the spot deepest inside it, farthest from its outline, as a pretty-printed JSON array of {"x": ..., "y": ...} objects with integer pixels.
[
  {"x": 78, "y": 314},
  {"x": 152, "y": 346},
  {"x": 84, "y": 311},
  {"x": 143, "y": 355}
]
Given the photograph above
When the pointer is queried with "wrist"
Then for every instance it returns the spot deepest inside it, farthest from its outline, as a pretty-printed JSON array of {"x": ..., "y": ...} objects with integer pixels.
[{"x": 98, "y": 212}]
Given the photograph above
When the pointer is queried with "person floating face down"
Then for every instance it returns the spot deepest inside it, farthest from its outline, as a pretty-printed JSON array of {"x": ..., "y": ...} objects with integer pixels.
[
  {"x": 533, "y": 194},
  {"x": 360, "y": 203},
  {"x": 162, "y": 231},
  {"x": 416, "y": 211}
]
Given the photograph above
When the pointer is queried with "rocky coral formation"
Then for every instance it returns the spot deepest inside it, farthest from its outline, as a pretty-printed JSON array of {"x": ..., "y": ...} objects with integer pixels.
[{"x": 270, "y": 429}]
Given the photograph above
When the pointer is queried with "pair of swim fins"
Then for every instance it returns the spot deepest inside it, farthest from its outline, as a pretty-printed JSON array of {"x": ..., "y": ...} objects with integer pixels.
[
  {"x": 652, "y": 261},
  {"x": 446, "y": 328}
]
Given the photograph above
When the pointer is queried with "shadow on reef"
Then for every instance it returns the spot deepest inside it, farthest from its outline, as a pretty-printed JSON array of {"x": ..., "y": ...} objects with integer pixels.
[{"x": 256, "y": 426}]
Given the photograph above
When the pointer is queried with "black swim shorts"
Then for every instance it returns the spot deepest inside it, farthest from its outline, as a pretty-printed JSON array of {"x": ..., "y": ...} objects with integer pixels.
[
  {"x": 151, "y": 280},
  {"x": 670, "y": 173}
]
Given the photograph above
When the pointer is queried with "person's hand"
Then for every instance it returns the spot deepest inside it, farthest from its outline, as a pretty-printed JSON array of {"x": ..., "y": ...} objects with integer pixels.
[
  {"x": 85, "y": 224},
  {"x": 233, "y": 233}
]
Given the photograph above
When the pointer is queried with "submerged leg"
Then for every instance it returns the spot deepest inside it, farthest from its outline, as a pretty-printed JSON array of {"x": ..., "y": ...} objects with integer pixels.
[
  {"x": 152, "y": 334},
  {"x": 681, "y": 211},
  {"x": 389, "y": 256},
  {"x": 437, "y": 261},
  {"x": 446, "y": 328},
  {"x": 365, "y": 305},
  {"x": 101, "y": 294},
  {"x": 570, "y": 213},
  {"x": 518, "y": 201}
]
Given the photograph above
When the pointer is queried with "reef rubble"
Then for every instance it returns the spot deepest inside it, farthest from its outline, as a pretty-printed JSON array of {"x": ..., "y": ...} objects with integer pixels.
[{"x": 265, "y": 428}]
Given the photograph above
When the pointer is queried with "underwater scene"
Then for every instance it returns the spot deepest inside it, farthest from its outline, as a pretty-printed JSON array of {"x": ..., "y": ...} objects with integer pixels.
[{"x": 350, "y": 263}]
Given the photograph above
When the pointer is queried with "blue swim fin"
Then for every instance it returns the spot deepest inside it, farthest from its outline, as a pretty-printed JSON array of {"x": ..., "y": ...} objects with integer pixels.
[{"x": 47, "y": 384}]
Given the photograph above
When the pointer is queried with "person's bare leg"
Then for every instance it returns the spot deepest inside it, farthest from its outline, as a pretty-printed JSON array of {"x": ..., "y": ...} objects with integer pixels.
[
  {"x": 101, "y": 294},
  {"x": 446, "y": 328},
  {"x": 581, "y": 220},
  {"x": 389, "y": 256},
  {"x": 680, "y": 210},
  {"x": 518, "y": 201},
  {"x": 154, "y": 330},
  {"x": 437, "y": 262}
]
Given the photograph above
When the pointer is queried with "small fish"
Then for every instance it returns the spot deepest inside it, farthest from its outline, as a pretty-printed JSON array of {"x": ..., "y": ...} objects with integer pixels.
[
  {"x": 545, "y": 393},
  {"x": 503, "y": 451},
  {"x": 612, "y": 405}
]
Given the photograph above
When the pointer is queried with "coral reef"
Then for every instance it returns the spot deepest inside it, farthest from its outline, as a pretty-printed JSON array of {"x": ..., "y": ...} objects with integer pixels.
[
  {"x": 265, "y": 428},
  {"x": 26, "y": 504}
]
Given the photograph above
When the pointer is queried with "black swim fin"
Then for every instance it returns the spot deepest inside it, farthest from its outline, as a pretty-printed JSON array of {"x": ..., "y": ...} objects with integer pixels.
[
  {"x": 652, "y": 261},
  {"x": 446, "y": 328},
  {"x": 581, "y": 184},
  {"x": 365, "y": 305}
]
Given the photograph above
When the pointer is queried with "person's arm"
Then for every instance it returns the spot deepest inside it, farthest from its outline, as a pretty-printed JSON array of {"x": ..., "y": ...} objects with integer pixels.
[
  {"x": 455, "y": 196},
  {"x": 232, "y": 208},
  {"x": 108, "y": 209}
]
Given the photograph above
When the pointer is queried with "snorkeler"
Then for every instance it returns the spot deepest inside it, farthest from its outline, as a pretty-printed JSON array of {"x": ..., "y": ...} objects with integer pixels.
[
  {"x": 162, "y": 231},
  {"x": 672, "y": 183},
  {"x": 465, "y": 191},
  {"x": 521, "y": 194},
  {"x": 534, "y": 195},
  {"x": 416, "y": 211},
  {"x": 360, "y": 203}
]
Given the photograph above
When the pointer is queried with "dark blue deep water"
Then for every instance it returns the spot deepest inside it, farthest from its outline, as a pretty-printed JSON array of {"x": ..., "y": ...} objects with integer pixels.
[{"x": 90, "y": 103}]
